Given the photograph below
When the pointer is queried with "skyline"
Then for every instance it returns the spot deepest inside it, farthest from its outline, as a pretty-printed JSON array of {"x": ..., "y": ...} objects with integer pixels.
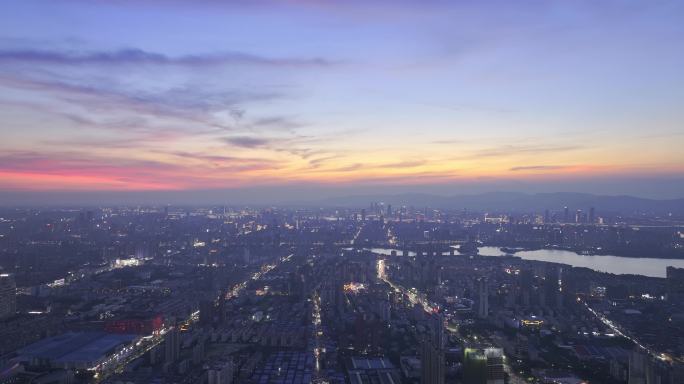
[{"x": 313, "y": 97}]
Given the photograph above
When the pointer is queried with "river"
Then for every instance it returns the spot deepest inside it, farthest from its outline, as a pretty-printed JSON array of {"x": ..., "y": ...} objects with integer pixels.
[{"x": 603, "y": 263}]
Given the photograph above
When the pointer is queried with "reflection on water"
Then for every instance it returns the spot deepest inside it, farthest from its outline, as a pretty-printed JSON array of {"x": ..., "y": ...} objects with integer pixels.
[
  {"x": 387, "y": 251},
  {"x": 612, "y": 264},
  {"x": 604, "y": 263}
]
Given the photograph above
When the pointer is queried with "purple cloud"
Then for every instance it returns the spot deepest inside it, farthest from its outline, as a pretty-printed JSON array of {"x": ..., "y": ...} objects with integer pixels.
[{"x": 138, "y": 56}]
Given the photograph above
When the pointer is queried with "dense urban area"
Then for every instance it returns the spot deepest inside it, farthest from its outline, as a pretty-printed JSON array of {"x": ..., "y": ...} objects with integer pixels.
[{"x": 223, "y": 295}]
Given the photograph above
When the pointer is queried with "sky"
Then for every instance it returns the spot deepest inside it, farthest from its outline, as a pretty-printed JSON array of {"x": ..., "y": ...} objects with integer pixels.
[{"x": 307, "y": 99}]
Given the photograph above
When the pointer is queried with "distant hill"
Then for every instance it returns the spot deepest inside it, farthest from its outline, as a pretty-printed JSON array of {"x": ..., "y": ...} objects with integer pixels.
[{"x": 513, "y": 201}]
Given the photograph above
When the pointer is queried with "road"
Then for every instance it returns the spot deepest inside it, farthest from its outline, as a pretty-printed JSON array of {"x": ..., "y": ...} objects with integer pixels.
[
  {"x": 416, "y": 297},
  {"x": 118, "y": 361}
]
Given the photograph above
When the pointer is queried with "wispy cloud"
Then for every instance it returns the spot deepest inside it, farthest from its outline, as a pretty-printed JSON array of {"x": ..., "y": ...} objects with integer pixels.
[
  {"x": 277, "y": 123},
  {"x": 247, "y": 141},
  {"x": 194, "y": 105},
  {"x": 511, "y": 150},
  {"x": 402, "y": 164},
  {"x": 346, "y": 168},
  {"x": 232, "y": 163},
  {"x": 540, "y": 168},
  {"x": 102, "y": 172},
  {"x": 141, "y": 57},
  {"x": 448, "y": 141}
]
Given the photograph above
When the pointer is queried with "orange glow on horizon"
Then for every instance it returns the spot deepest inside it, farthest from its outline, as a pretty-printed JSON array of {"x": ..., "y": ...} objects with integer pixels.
[{"x": 193, "y": 178}]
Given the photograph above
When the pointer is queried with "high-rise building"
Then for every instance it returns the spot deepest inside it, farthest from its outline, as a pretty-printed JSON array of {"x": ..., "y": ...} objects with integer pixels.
[
  {"x": 566, "y": 215},
  {"x": 675, "y": 284},
  {"x": 432, "y": 351},
  {"x": 8, "y": 295},
  {"x": 638, "y": 366},
  {"x": 474, "y": 366},
  {"x": 172, "y": 345},
  {"x": 437, "y": 330},
  {"x": 592, "y": 215},
  {"x": 207, "y": 312},
  {"x": 432, "y": 363},
  {"x": 483, "y": 366},
  {"x": 495, "y": 365},
  {"x": 482, "y": 298},
  {"x": 221, "y": 373},
  {"x": 552, "y": 287}
]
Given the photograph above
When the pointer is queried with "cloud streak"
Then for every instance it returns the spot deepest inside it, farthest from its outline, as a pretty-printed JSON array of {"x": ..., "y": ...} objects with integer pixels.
[
  {"x": 508, "y": 150},
  {"x": 539, "y": 168},
  {"x": 134, "y": 56},
  {"x": 248, "y": 141},
  {"x": 100, "y": 172}
]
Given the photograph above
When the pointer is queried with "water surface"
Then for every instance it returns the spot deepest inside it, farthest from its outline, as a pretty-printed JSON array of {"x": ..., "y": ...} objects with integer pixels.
[{"x": 602, "y": 263}]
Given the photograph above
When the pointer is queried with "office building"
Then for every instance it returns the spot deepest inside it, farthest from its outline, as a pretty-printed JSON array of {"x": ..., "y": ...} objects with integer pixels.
[
  {"x": 8, "y": 296},
  {"x": 221, "y": 373},
  {"x": 432, "y": 363},
  {"x": 474, "y": 366},
  {"x": 482, "y": 298},
  {"x": 172, "y": 345},
  {"x": 495, "y": 365}
]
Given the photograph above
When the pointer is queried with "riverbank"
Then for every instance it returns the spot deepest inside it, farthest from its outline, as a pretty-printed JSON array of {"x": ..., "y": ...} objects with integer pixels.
[
  {"x": 652, "y": 267},
  {"x": 637, "y": 254}
]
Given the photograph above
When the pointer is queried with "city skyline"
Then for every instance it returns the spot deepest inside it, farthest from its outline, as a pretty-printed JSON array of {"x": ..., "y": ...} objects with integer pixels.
[{"x": 319, "y": 99}]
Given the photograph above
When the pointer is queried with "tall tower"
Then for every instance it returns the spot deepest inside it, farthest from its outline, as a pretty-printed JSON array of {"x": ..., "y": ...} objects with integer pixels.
[
  {"x": 482, "y": 298},
  {"x": 553, "y": 287},
  {"x": 432, "y": 364},
  {"x": 578, "y": 216},
  {"x": 474, "y": 366},
  {"x": 437, "y": 330},
  {"x": 8, "y": 295},
  {"x": 638, "y": 366},
  {"x": 172, "y": 345},
  {"x": 495, "y": 365},
  {"x": 432, "y": 352}
]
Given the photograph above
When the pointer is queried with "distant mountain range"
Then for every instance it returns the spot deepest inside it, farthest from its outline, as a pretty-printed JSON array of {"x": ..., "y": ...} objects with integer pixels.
[{"x": 515, "y": 202}]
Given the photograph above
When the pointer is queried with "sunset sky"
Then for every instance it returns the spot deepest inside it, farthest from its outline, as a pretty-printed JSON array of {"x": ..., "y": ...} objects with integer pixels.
[{"x": 347, "y": 96}]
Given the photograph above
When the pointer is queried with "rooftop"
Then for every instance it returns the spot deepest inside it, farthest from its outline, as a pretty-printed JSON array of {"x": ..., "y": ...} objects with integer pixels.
[{"x": 74, "y": 347}]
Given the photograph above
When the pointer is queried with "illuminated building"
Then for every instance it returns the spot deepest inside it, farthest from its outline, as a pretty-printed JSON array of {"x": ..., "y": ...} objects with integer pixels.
[
  {"x": 140, "y": 325},
  {"x": 483, "y": 366},
  {"x": 8, "y": 295},
  {"x": 474, "y": 366},
  {"x": 495, "y": 365}
]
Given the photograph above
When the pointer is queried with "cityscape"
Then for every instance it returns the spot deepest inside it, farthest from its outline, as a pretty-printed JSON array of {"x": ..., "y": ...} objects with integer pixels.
[
  {"x": 341, "y": 192},
  {"x": 379, "y": 294}
]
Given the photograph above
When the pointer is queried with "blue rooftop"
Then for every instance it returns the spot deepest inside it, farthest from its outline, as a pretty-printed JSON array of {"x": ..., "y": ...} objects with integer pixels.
[{"x": 75, "y": 347}]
